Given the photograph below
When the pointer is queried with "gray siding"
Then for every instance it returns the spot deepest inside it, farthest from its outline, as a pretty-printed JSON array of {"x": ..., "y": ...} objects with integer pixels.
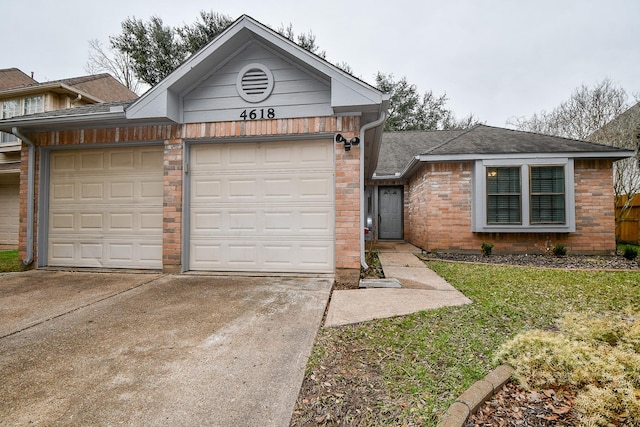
[{"x": 296, "y": 93}]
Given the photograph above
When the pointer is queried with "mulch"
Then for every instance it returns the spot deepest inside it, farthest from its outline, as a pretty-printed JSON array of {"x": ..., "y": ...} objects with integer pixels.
[
  {"x": 515, "y": 407},
  {"x": 599, "y": 262}
]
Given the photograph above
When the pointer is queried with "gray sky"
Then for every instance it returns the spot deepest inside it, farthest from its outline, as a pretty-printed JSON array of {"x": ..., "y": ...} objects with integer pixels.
[{"x": 493, "y": 58}]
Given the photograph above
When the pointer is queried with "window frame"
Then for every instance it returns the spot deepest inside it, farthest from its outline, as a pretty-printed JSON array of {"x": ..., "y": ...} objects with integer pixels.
[
  {"x": 504, "y": 194},
  {"x": 480, "y": 222},
  {"x": 29, "y": 102},
  {"x": 548, "y": 193},
  {"x": 16, "y": 108}
]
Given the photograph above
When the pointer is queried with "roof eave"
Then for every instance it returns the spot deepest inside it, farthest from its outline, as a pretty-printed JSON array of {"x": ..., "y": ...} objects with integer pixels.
[
  {"x": 42, "y": 124},
  {"x": 614, "y": 155},
  {"x": 48, "y": 87}
]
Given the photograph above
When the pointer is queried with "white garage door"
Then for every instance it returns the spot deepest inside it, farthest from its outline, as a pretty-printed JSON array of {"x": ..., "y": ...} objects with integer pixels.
[
  {"x": 262, "y": 207},
  {"x": 105, "y": 208},
  {"x": 9, "y": 200}
]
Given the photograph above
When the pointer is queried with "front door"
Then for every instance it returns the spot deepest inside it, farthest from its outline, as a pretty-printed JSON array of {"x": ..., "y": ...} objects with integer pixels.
[{"x": 390, "y": 213}]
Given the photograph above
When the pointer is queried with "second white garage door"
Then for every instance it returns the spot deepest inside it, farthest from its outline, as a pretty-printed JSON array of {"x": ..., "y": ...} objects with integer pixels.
[
  {"x": 9, "y": 200},
  {"x": 105, "y": 208},
  {"x": 262, "y": 207}
]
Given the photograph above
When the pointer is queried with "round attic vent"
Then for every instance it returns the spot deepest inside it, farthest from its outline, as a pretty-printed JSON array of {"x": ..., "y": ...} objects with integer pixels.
[{"x": 254, "y": 83}]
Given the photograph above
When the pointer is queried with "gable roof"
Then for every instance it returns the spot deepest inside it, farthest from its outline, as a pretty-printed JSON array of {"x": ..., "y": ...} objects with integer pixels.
[
  {"x": 401, "y": 151},
  {"x": 103, "y": 86},
  {"x": 13, "y": 77},
  {"x": 348, "y": 94},
  {"x": 92, "y": 88}
]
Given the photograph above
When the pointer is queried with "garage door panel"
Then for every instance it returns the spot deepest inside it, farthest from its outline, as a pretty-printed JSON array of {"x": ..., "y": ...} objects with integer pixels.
[
  {"x": 9, "y": 210},
  {"x": 115, "y": 221},
  {"x": 121, "y": 160},
  {"x": 266, "y": 156},
  {"x": 92, "y": 191},
  {"x": 256, "y": 206},
  {"x": 105, "y": 208},
  {"x": 91, "y": 161},
  {"x": 263, "y": 255},
  {"x": 229, "y": 222},
  {"x": 274, "y": 188}
]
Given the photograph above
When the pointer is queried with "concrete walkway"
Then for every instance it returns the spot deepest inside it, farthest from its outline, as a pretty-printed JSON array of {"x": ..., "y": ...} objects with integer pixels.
[{"x": 415, "y": 288}]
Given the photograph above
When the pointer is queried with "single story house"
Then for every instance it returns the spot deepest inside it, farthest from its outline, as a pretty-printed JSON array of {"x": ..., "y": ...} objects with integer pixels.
[
  {"x": 253, "y": 156},
  {"x": 523, "y": 192}
]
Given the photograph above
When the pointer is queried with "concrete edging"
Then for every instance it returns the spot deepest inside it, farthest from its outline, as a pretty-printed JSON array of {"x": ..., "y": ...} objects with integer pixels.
[{"x": 471, "y": 400}]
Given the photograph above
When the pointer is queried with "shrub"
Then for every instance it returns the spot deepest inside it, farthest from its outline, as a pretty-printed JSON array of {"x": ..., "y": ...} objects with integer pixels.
[
  {"x": 595, "y": 354},
  {"x": 559, "y": 250},
  {"x": 630, "y": 252},
  {"x": 486, "y": 248}
]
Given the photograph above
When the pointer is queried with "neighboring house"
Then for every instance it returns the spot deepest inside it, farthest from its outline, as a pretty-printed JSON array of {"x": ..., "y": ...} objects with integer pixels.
[
  {"x": 522, "y": 192},
  {"x": 21, "y": 95},
  {"x": 253, "y": 156}
]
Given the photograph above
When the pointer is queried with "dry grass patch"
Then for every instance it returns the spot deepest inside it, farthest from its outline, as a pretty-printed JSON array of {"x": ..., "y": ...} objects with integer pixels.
[{"x": 596, "y": 354}]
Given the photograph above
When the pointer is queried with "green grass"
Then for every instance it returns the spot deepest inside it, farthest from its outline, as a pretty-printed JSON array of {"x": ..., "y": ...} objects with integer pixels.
[
  {"x": 427, "y": 359},
  {"x": 9, "y": 261}
]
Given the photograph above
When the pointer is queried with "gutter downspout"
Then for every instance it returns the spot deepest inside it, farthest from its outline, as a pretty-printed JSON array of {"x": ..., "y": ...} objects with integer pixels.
[
  {"x": 30, "y": 193},
  {"x": 363, "y": 129}
]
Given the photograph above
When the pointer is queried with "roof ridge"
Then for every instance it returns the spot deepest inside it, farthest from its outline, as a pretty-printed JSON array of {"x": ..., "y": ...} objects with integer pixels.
[
  {"x": 464, "y": 132},
  {"x": 566, "y": 138}
]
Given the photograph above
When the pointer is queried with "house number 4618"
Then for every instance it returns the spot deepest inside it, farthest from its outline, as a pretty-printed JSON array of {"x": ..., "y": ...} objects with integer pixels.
[{"x": 258, "y": 113}]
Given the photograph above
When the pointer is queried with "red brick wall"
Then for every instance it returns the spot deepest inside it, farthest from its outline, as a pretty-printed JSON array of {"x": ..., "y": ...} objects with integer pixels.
[
  {"x": 440, "y": 212},
  {"x": 172, "y": 206},
  {"x": 347, "y": 171}
]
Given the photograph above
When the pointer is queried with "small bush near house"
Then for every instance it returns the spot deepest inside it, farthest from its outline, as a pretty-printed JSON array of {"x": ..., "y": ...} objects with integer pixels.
[
  {"x": 486, "y": 248},
  {"x": 559, "y": 250},
  {"x": 9, "y": 261},
  {"x": 597, "y": 355},
  {"x": 630, "y": 252}
]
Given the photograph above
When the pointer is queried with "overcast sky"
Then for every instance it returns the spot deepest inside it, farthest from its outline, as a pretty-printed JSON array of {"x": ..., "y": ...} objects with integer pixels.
[{"x": 493, "y": 58}]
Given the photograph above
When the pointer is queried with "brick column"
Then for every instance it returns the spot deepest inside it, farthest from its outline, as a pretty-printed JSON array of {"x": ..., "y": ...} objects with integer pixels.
[
  {"x": 347, "y": 206},
  {"x": 172, "y": 206}
]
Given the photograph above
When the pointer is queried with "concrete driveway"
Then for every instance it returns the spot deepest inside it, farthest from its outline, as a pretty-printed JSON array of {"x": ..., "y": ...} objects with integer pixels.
[{"x": 81, "y": 348}]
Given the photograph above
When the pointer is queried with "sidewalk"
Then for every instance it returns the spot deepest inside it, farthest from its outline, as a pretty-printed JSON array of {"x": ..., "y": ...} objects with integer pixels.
[{"x": 415, "y": 288}]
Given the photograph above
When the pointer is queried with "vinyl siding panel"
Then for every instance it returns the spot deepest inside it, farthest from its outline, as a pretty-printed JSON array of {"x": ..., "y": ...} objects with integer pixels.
[{"x": 296, "y": 92}]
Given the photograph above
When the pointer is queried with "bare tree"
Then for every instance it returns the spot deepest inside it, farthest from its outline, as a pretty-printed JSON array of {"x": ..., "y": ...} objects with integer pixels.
[
  {"x": 114, "y": 62},
  {"x": 600, "y": 114},
  {"x": 587, "y": 110}
]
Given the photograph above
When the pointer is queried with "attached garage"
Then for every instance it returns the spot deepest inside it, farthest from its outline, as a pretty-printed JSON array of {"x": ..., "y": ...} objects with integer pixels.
[
  {"x": 262, "y": 206},
  {"x": 9, "y": 194},
  {"x": 105, "y": 208},
  {"x": 250, "y": 157}
]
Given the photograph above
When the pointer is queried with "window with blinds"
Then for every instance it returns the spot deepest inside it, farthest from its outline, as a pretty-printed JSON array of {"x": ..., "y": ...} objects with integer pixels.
[
  {"x": 504, "y": 195},
  {"x": 547, "y": 195}
]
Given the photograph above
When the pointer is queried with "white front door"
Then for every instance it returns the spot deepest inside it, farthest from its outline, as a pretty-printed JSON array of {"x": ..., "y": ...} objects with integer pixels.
[{"x": 262, "y": 206}]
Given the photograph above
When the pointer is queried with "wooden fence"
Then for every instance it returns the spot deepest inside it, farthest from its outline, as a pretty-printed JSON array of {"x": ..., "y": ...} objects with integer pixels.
[{"x": 628, "y": 220}]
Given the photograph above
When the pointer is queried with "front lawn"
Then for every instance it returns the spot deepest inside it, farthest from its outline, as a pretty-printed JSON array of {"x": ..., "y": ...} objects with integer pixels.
[
  {"x": 9, "y": 261},
  {"x": 409, "y": 369}
]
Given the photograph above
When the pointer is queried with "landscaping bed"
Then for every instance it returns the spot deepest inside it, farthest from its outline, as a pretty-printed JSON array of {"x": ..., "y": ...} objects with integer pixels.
[{"x": 600, "y": 262}]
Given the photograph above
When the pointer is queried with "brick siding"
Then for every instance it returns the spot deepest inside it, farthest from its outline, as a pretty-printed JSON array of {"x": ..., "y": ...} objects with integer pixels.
[
  {"x": 440, "y": 212},
  {"x": 347, "y": 172}
]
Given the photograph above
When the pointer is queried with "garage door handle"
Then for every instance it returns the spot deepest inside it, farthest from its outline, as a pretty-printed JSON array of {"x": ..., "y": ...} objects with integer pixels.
[{"x": 379, "y": 219}]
